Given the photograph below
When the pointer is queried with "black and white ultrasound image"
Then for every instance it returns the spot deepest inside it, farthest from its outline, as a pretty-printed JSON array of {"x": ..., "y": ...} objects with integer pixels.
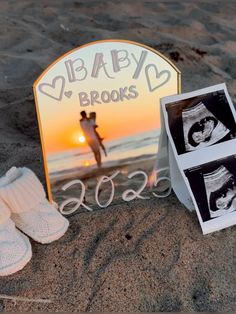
[
  {"x": 214, "y": 187},
  {"x": 200, "y": 121}
]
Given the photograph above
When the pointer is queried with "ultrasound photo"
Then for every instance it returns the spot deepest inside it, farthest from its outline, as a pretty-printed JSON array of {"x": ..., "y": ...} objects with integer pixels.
[
  {"x": 214, "y": 187},
  {"x": 221, "y": 191},
  {"x": 201, "y": 128},
  {"x": 200, "y": 121}
]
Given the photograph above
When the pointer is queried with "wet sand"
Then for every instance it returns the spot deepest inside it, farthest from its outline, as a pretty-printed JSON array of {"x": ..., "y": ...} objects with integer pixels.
[{"x": 138, "y": 256}]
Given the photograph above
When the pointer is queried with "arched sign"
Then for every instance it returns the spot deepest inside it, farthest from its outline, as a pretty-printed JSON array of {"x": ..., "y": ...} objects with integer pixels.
[{"x": 99, "y": 117}]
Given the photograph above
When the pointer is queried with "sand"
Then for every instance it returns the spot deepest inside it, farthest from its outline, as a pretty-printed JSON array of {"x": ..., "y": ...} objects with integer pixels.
[{"x": 139, "y": 256}]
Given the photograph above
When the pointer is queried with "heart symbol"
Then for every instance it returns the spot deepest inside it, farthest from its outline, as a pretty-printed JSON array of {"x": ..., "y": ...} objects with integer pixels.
[
  {"x": 55, "y": 89},
  {"x": 68, "y": 93},
  {"x": 159, "y": 77}
]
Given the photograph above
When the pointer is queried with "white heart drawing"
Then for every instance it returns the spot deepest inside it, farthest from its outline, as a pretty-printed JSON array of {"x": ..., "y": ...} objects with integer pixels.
[
  {"x": 68, "y": 93},
  {"x": 158, "y": 77},
  {"x": 55, "y": 89}
]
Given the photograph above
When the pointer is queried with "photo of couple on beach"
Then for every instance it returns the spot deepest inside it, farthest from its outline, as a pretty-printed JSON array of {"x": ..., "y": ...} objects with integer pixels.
[{"x": 101, "y": 141}]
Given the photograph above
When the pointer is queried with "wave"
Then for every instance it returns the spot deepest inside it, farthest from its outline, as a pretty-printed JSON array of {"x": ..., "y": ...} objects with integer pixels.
[{"x": 120, "y": 151}]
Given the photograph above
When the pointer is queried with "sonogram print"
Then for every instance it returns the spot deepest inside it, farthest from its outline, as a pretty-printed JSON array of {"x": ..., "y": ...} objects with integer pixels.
[
  {"x": 221, "y": 191},
  {"x": 214, "y": 187},
  {"x": 201, "y": 128},
  {"x": 200, "y": 121}
]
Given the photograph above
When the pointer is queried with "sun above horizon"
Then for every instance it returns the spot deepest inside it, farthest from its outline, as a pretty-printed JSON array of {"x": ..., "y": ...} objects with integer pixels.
[
  {"x": 76, "y": 139},
  {"x": 81, "y": 139}
]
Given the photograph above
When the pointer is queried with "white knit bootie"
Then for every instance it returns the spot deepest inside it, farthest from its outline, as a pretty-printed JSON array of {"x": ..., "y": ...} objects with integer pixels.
[
  {"x": 22, "y": 191},
  {"x": 15, "y": 248}
]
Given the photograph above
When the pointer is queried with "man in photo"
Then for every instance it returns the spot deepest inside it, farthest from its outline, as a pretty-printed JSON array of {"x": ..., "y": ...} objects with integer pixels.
[
  {"x": 91, "y": 137},
  {"x": 92, "y": 119}
]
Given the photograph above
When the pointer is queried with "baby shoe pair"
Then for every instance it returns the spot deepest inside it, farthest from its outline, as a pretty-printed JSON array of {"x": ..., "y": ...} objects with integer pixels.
[{"x": 23, "y": 206}]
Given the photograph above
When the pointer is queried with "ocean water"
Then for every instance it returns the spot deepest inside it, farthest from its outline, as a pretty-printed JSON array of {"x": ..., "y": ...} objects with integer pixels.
[{"x": 121, "y": 151}]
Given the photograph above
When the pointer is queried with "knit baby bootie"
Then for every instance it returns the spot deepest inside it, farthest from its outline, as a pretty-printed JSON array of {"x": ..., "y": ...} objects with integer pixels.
[
  {"x": 30, "y": 210},
  {"x": 15, "y": 248}
]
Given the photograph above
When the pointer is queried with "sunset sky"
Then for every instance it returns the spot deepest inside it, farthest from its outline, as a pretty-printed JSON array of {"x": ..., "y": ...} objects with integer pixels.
[{"x": 60, "y": 120}]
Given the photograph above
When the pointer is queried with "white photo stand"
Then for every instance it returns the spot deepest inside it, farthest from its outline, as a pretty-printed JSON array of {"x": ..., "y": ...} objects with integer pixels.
[{"x": 199, "y": 136}]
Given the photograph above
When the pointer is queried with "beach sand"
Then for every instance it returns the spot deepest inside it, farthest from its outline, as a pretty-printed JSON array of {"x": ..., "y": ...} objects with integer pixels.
[{"x": 137, "y": 256}]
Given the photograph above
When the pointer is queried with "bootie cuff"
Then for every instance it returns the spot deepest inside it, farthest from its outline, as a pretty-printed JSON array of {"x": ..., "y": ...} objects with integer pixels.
[
  {"x": 4, "y": 213},
  {"x": 22, "y": 190}
]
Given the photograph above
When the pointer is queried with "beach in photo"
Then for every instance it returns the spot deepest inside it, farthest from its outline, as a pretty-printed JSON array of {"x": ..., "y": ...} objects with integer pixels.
[{"x": 127, "y": 154}]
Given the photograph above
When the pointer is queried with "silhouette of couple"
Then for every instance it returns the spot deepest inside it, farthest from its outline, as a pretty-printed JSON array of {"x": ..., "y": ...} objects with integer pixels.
[{"x": 88, "y": 126}]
